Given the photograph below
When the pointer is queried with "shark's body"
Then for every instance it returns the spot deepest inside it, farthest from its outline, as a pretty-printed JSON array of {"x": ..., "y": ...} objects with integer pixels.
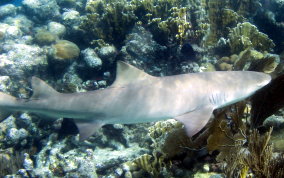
[{"x": 137, "y": 97}]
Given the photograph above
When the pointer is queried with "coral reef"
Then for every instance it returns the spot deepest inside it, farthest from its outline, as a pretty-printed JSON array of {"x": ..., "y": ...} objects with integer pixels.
[
  {"x": 7, "y": 10},
  {"x": 241, "y": 149},
  {"x": 111, "y": 21},
  {"x": 41, "y": 9},
  {"x": 142, "y": 50},
  {"x": 57, "y": 29},
  {"x": 65, "y": 50},
  {"x": 246, "y": 8},
  {"x": 44, "y": 37},
  {"x": 151, "y": 164},
  {"x": 246, "y": 36},
  {"x": 91, "y": 58},
  {"x": 220, "y": 18},
  {"x": 250, "y": 60},
  {"x": 107, "y": 53},
  {"x": 2, "y": 34},
  {"x": 158, "y": 133},
  {"x": 10, "y": 162},
  {"x": 22, "y": 60},
  {"x": 162, "y": 37},
  {"x": 108, "y": 21}
]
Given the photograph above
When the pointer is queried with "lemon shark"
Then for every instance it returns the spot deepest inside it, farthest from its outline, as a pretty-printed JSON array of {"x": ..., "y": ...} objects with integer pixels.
[{"x": 137, "y": 97}]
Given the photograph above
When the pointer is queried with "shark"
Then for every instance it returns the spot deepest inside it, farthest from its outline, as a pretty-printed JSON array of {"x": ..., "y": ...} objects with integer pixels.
[{"x": 137, "y": 97}]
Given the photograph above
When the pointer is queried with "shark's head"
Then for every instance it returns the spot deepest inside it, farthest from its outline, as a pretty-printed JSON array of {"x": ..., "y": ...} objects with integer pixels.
[
  {"x": 250, "y": 82},
  {"x": 240, "y": 86},
  {"x": 257, "y": 80}
]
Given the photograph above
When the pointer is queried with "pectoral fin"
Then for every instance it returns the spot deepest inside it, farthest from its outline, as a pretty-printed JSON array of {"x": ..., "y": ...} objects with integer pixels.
[
  {"x": 194, "y": 121},
  {"x": 87, "y": 128}
]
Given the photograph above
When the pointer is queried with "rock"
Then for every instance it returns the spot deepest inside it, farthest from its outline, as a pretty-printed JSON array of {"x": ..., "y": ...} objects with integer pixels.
[
  {"x": 102, "y": 83},
  {"x": 2, "y": 35},
  {"x": 65, "y": 51},
  {"x": 8, "y": 123},
  {"x": 21, "y": 60},
  {"x": 21, "y": 22},
  {"x": 5, "y": 83},
  {"x": 189, "y": 67},
  {"x": 42, "y": 9},
  {"x": 107, "y": 53},
  {"x": 143, "y": 51},
  {"x": 216, "y": 176},
  {"x": 28, "y": 163},
  {"x": 56, "y": 28},
  {"x": 71, "y": 18},
  {"x": 10, "y": 32},
  {"x": 43, "y": 37},
  {"x": 23, "y": 173},
  {"x": 14, "y": 135},
  {"x": 71, "y": 79},
  {"x": 107, "y": 75},
  {"x": 206, "y": 168},
  {"x": 118, "y": 172},
  {"x": 91, "y": 59},
  {"x": 24, "y": 121},
  {"x": 68, "y": 158},
  {"x": 7, "y": 10},
  {"x": 67, "y": 3}
]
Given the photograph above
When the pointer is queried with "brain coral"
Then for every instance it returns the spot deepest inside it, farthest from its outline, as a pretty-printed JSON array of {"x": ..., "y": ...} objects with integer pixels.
[
  {"x": 64, "y": 50},
  {"x": 45, "y": 37}
]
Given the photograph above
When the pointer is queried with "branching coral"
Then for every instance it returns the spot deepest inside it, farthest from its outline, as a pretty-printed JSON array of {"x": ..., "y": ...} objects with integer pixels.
[
  {"x": 250, "y": 60},
  {"x": 111, "y": 20},
  {"x": 238, "y": 158},
  {"x": 152, "y": 164},
  {"x": 220, "y": 18},
  {"x": 223, "y": 135},
  {"x": 175, "y": 26},
  {"x": 161, "y": 134},
  {"x": 259, "y": 154},
  {"x": 246, "y": 36}
]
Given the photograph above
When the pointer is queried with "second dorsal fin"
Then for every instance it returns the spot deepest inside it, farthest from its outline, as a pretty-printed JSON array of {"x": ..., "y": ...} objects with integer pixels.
[
  {"x": 41, "y": 89},
  {"x": 126, "y": 74}
]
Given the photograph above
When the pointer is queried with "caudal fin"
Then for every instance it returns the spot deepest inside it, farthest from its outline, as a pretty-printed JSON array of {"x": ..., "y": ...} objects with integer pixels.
[{"x": 5, "y": 101}]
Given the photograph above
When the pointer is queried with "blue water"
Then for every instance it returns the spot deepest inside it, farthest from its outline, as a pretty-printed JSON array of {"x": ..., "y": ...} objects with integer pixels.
[{"x": 15, "y": 2}]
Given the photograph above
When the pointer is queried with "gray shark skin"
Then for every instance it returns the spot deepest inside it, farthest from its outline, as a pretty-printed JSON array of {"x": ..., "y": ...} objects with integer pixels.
[{"x": 136, "y": 97}]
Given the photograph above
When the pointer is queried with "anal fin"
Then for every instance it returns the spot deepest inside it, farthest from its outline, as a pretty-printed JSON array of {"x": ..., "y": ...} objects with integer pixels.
[
  {"x": 87, "y": 128},
  {"x": 194, "y": 121}
]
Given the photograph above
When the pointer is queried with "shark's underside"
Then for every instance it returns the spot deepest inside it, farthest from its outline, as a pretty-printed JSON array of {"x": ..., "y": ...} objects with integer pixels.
[{"x": 137, "y": 97}]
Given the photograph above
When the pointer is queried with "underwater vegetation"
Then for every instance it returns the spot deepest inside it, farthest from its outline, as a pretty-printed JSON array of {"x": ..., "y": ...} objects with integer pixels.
[
  {"x": 110, "y": 21},
  {"x": 10, "y": 162},
  {"x": 246, "y": 36}
]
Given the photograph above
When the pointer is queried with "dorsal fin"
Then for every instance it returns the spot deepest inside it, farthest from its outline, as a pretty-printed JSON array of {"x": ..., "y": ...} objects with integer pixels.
[
  {"x": 126, "y": 74},
  {"x": 41, "y": 89}
]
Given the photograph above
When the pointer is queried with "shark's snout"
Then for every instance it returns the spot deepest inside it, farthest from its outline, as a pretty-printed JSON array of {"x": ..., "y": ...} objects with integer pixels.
[{"x": 264, "y": 79}]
